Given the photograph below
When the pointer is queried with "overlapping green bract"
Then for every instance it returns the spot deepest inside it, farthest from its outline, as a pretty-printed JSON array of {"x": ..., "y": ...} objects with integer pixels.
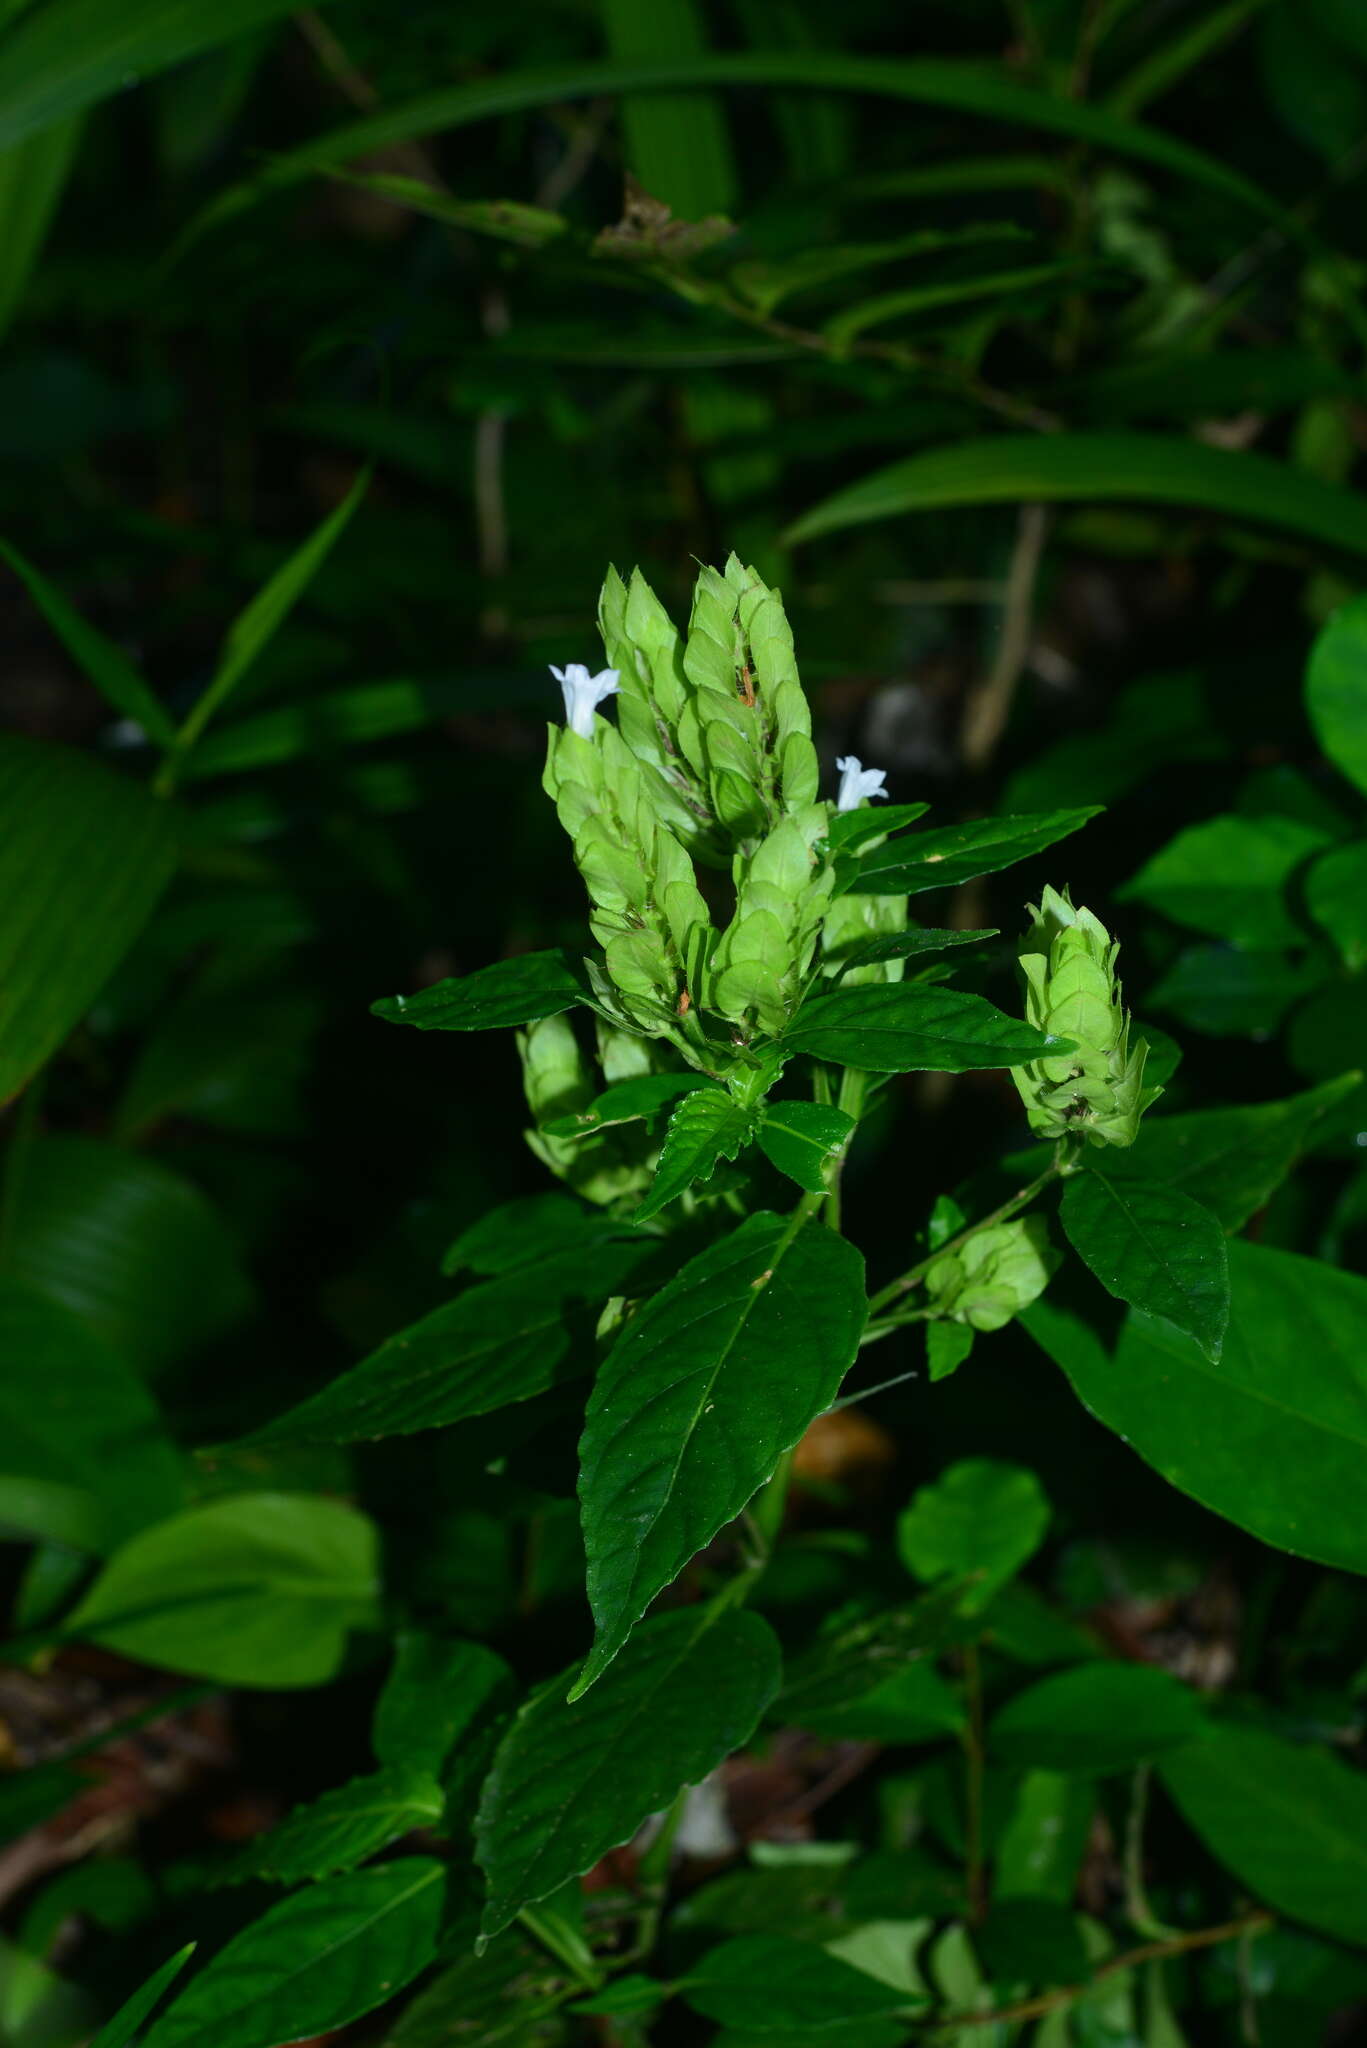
[
  {"x": 1095, "y": 1092},
  {"x": 994, "y": 1274}
]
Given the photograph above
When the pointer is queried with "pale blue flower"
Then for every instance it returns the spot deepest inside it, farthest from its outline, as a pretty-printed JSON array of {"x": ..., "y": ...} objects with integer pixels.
[{"x": 583, "y": 694}]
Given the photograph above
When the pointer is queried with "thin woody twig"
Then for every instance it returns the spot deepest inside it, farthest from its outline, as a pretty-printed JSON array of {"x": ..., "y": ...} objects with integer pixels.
[{"x": 989, "y": 706}]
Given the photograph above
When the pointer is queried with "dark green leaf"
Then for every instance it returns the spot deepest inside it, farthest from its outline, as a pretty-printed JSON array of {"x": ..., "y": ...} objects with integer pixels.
[
  {"x": 1336, "y": 897},
  {"x": 322, "y": 725},
  {"x": 852, "y": 1660},
  {"x": 89, "y": 1462},
  {"x": 1100, "y": 1716},
  {"x": 902, "y": 946},
  {"x": 981, "y": 1518},
  {"x": 1040, "y": 1851},
  {"x": 315, "y": 1961},
  {"x": 769, "y": 1984},
  {"x": 1336, "y": 690},
  {"x": 1033, "y": 1941},
  {"x": 951, "y": 854},
  {"x": 252, "y": 1589},
  {"x": 1141, "y": 468},
  {"x": 907, "y": 1027},
  {"x": 128, "y": 1246},
  {"x": 572, "y": 1781},
  {"x": 1227, "y": 992},
  {"x": 344, "y": 1827},
  {"x": 524, "y": 1232},
  {"x": 438, "y": 1691},
  {"x": 804, "y": 1140},
  {"x": 1279, "y": 1451},
  {"x": 706, "y": 1126},
  {"x": 1153, "y": 1247},
  {"x": 677, "y": 144},
  {"x": 85, "y": 856},
  {"x": 67, "y": 54},
  {"x": 507, "y": 1997},
  {"x": 627, "y": 1102},
  {"x": 1228, "y": 876},
  {"x": 948, "y": 1344},
  {"x": 1291, "y": 1823},
  {"x": 107, "y": 667},
  {"x": 849, "y": 831},
  {"x": 1229, "y": 1160},
  {"x": 122, "y": 2029},
  {"x": 33, "y": 176},
  {"x": 717, "y": 1376},
  {"x": 506, "y": 1340},
  {"x": 515, "y": 991}
]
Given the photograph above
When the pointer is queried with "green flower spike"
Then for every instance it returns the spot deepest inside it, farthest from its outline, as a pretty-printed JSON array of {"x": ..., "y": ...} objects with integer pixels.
[
  {"x": 993, "y": 1275},
  {"x": 1096, "y": 1092}
]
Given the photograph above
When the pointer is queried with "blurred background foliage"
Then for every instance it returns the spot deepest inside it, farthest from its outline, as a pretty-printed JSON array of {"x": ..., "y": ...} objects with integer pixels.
[{"x": 1022, "y": 344}]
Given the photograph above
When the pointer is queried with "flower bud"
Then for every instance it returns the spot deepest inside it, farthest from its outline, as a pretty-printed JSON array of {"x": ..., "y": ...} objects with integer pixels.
[
  {"x": 1097, "y": 1091},
  {"x": 993, "y": 1274}
]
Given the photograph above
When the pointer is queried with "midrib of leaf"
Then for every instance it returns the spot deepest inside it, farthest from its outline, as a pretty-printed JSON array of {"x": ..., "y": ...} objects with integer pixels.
[{"x": 1161, "y": 1259}]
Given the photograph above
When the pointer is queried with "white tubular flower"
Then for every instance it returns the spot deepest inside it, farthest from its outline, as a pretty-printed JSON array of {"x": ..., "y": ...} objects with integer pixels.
[
  {"x": 858, "y": 782},
  {"x": 583, "y": 694}
]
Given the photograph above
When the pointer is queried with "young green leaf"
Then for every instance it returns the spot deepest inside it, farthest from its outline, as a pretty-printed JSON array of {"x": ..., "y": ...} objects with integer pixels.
[
  {"x": 1289, "y": 1821},
  {"x": 906, "y": 1027},
  {"x": 1278, "y": 1452},
  {"x": 982, "y": 1518},
  {"x": 533, "y": 1228},
  {"x": 948, "y": 1344},
  {"x": 439, "y": 1690},
  {"x": 1336, "y": 690},
  {"x": 627, "y": 1102},
  {"x": 716, "y": 1377},
  {"x": 106, "y": 666},
  {"x": 508, "y": 1340},
  {"x": 1153, "y": 1247},
  {"x": 762, "y": 1984},
  {"x": 85, "y": 855},
  {"x": 804, "y": 1140},
  {"x": 122, "y": 2029},
  {"x": 573, "y": 1780},
  {"x": 316, "y": 1961},
  {"x": 1040, "y": 1850},
  {"x": 515, "y": 991},
  {"x": 951, "y": 854},
  {"x": 1101, "y": 1716},
  {"x": 342, "y": 1828},
  {"x": 251, "y": 1589},
  {"x": 1231, "y": 1161},
  {"x": 706, "y": 1126}
]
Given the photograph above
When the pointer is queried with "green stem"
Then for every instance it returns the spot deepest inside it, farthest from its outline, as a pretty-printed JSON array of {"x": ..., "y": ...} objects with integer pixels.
[
  {"x": 898, "y": 1287},
  {"x": 565, "y": 1945},
  {"x": 853, "y": 1084}
]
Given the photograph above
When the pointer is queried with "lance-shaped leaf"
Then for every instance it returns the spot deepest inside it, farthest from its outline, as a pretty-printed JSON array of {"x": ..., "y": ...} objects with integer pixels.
[
  {"x": 316, "y": 1961},
  {"x": 1155, "y": 1248},
  {"x": 627, "y": 1102},
  {"x": 515, "y": 991},
  {"x": 574, "y": 1779},
  {"x": 957, "y": 853},
  {"x": 715, "y": 1379},
  {"x": 107, "y": 666},
  {"x": 1277, "y": 1450},
  {"x": 906, "y": 1027},
  {"x": 804, "y": 1140},
  {"x": 707, "y": 1126},
  {"x": 851, "y": 830},
  {"x": 902, "y": 946},
  {"x": 343, "y": 1828},
  {"x": 123, "y": 2028},
  {"x": 508, "y": 1340},
  {"x": 1336, "y": 690}
]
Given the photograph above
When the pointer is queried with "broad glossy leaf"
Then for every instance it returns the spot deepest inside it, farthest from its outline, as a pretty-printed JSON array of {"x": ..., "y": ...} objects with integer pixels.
[
  {"x": 524, "y": 1232},
  {"x": 906, "y": 1027},
  {"x": 122, "y": 2029},
  {"x": 506, "y": 1340},
  {"x": 67, "y": 54},
  {"x": 771, "y": 1984},
  {"x": 707, "y": 1125},
  {"x": 1229, "y": 992},
  {"x": 85, "y": 855},
  {"x": 515, "y": 991},
  {"x": 316, "y": 1961},
  {"x": 442, "y": 1695},
  {"x": 344, "y": 1827},
  {"x": 84, "y": 1456},
  {"x": 804, "y": 1140},
  {"x": 1100, "y": 1716},
  {"x": 981, "y": 1518},
  {"x": 903, "y": 946},
  {"x": 1040, "y": 1850},
  {"x": 627, "y": 1102},
  {"x": 1336, "y": 897},
  {"x": 1142, "y": 468},
  {"x": 1274, "y": 1435},
  {"x": 1154, "y": 1247},
  {"x": 1336, "y": 690},
  {"x": 850, "y": 831},
  {"x": 1290, "y": 1822},
  {"x": 1229, "y": 1160},
  {"x": 255, "y": 1589},
  {"x": 105, "y": 664},
  {"x": 951, "y": 854},
  {"x": 138, "y": 1253},
  {"x": 1228, "y": 876},
  {"x": 573, "y": 1780},
  {"x": 709, "y": 1384}
]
